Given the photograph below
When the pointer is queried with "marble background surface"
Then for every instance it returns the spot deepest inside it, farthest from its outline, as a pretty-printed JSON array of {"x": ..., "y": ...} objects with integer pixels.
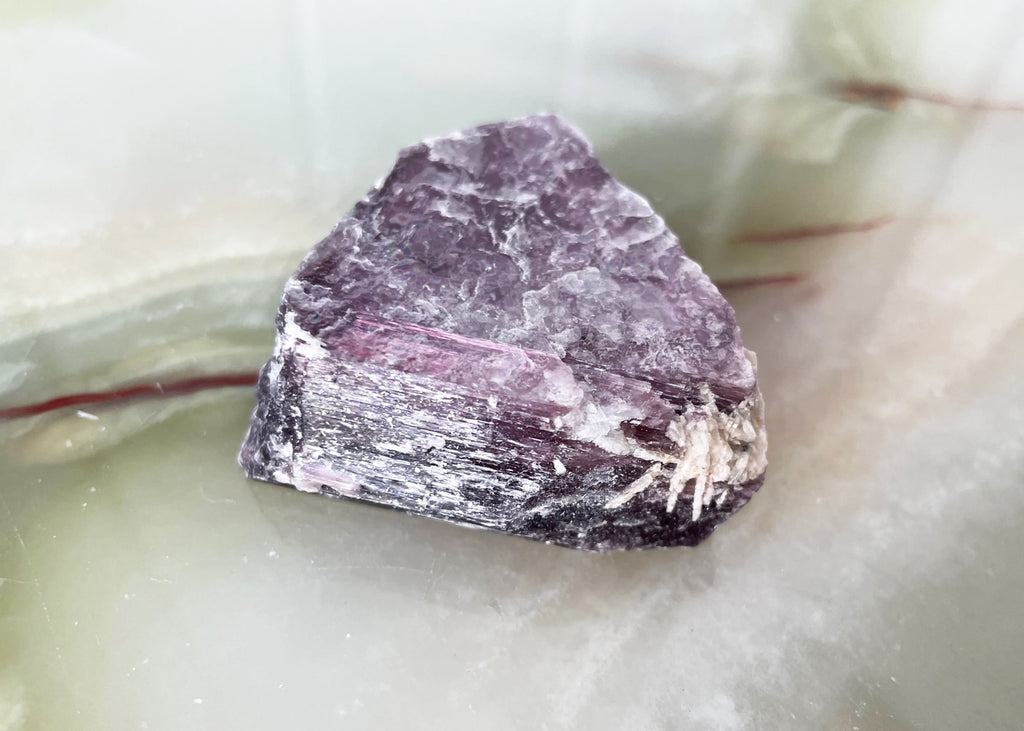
[{"x": 852, "y": 173}]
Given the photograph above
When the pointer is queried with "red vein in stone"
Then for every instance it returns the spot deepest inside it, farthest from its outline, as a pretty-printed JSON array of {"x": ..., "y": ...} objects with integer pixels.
[
  {"x": 761, "y": 280},
  {"x": 146, "y": 390},
  {"x": 890, "y": 96},
  {"x": 810, "y": 232}
]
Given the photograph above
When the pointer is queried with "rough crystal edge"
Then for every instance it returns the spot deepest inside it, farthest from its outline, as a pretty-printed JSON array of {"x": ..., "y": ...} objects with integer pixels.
[
  {"x": 716, "y": 477},
  {"x": 275, "y": 438}
]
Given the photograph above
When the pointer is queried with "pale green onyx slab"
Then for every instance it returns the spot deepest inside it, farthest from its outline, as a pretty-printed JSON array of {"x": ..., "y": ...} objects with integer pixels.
[{"x": 164, "y": 166}]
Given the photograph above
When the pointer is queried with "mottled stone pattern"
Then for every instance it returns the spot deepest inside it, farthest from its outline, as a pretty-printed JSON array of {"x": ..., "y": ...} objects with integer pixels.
[{"x": 502, "y": 335}]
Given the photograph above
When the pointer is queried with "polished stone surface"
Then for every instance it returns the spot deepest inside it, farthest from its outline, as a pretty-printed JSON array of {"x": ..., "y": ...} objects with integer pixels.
[{"x": 845, "y": 171}]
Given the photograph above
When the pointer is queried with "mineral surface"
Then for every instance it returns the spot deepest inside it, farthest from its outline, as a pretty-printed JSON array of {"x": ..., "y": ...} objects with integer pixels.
[{"x": 502, "y": 335}]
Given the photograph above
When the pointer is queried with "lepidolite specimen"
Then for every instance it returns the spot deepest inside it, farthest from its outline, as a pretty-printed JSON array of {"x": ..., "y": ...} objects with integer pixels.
[{"x": 502, "y": 335}]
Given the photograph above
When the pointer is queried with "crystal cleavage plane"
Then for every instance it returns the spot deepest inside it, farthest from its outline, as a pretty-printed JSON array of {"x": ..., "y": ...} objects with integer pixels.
[{"x": 502, "y": 335}]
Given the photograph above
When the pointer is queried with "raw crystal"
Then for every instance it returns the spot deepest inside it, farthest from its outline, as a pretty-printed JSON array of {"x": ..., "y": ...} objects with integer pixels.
[{"x": 502, "y": 335}]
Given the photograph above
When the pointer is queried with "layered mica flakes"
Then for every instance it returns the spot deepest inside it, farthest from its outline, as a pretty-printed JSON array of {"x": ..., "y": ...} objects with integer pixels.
[{"x": 501, "y": 335}]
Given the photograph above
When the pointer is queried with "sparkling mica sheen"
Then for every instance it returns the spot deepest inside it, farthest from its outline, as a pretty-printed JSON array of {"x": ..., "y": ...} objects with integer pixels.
[{"x": 503, "y": 336}]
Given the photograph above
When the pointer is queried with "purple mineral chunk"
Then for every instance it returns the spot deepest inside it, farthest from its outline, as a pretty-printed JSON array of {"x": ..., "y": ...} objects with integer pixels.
[{"x": 502, "y": 335}]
